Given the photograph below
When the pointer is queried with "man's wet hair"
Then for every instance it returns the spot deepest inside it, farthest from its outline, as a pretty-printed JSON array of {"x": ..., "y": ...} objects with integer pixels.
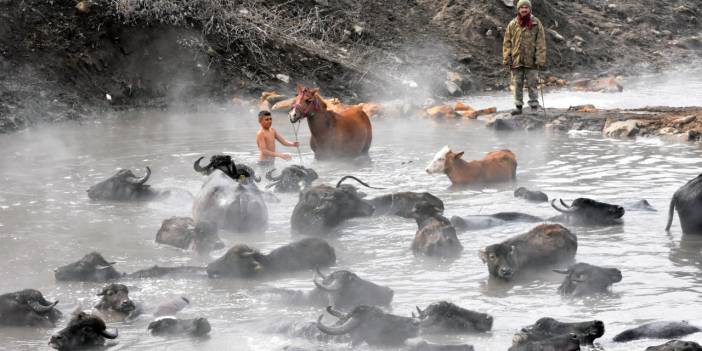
[{"x": 263, "y": 114}]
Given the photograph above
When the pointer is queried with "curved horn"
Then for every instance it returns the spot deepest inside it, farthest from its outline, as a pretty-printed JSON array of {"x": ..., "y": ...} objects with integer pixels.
[
  {"x": 419, "y": 310},
  {"x": 269, "y": 175},
  {"x": 335, "y": 286},
  {"x": 39, "y": 308},
  {"x": 345, "y": 328},
  {"x": 142, "y": 180},
  {"x": 198, "y": 168},
  {"x": 563, "y": 203},
  {"x": 356, "y": 179},
  {"x": 320, "y": 272},
  {"x": 560, "y": 271},
  {"x": 109, "y": 335},
  {"x": 567, "y": 210},
  {"x": 334, "y": 312}
]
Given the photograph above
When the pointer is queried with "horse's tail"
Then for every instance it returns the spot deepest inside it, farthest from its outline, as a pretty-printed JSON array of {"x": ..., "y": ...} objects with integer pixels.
[
  {"x": 671, "y": 211},
  {"x": 269, "y": 175},
  {"x": 358, "y": 180}
]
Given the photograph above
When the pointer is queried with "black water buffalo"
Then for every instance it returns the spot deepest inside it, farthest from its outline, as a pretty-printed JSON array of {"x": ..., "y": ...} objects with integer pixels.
[
  {"x": 244, "y": 262},
  {"x": 230, "y": 205},
  {"x": 476, "y": 222},
  {"x": 425, "y": 346},
  {"x": 344, "y": 289},
  {"x": 124, "y": 186},
  {"x": 91, "y": 268},
  {"x": 171, "y": 307},
  {"x": 372, "y": 325},
  {"x": 688, "y": 201},
  {"x": 115, "y": 301},
  {"x": 443, "y": 316},
  {"x": 584, "y": 279},
  {"x": 28, "y": 308},
  {"x": 657, "y": 330},
  {"x": 182, "y": 232},
  {"x": 292, "y": 179},
  {"x": 175, "y": 326},
  {"x": 544, "y": 244},
  {"x": 676, "y": 345},
  {"x": 584, "y": 211},
  {"x": 546, "y": 328},
  {"x": 435, "y": 235},
  {"x": 530, "y": 195},
  {"x": 226, "y": 165},
  {"x": 402, "y": 203},
  {"x": 568, "y": 342},
  {"x": 83, "y": 331},
  {"x": 322, "y": 207}
]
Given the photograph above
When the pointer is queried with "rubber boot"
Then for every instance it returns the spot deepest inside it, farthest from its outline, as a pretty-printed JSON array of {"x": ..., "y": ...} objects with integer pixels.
[{"x": 517, "y": 111}]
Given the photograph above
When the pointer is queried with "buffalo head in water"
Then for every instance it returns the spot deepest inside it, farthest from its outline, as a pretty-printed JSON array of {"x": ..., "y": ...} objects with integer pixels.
[
  {"x": 583, "y": 279},
  {"x": 27, "y": 308},
  {"x": 443, "y": 316},
  {"x": 291, "y": 179},
  {"x": 180, "y": 327},
  {"x": 546, "y": 328},
  {"x": 225, "y": 164},
  {"x": 322, "y": 208},
  {"x": 584, "y": 211},
  {"x": 676, "y": 345},
  {"x": 244, "y": 262},
  {"x": 124, "y": 186},
  {"x": 372, "y": 325},
  {"x": 688, "y": 201},
  {"x": 91, "y": 268},
  {"x": 435, "y": 234},
  {"x": 182, "y": 232},
  {"x": 566, "y": 342},
  {"x": 346, "y": 289},
  {"x": 115, "y": 298},
  {"x": 83, "y": 331}
]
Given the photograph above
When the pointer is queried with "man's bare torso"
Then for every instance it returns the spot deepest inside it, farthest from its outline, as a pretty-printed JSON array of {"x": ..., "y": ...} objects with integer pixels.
[{"x": 269, "y": 141}]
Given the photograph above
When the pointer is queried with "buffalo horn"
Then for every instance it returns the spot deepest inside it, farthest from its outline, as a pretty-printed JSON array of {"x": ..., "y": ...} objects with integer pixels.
[
  {"x": 334, "y": 312},
  {"x": 198, "y": 168},
  {"x": 563, "y": 203},
  {"x": 269, "y": 175},
  {"x": 108, "y": 265},
  {"x": 419, "y": 310},
  {"x": 567, "y": 210},
  {"x": 561, "y": 271},
  {"x": 320, "y": 272},
  {"x": 345, "y": 328},
  {"x": 109, "y": 335},
  {"x": 142, "y": 180},
  {"x": 335, "y": 286},
  {"x": 39, "y": 308},
  {"x": 356, "y": 179}
]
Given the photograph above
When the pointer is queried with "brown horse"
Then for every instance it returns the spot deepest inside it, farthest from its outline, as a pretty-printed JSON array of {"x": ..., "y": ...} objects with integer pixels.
[{"x": 346, "y": 134}]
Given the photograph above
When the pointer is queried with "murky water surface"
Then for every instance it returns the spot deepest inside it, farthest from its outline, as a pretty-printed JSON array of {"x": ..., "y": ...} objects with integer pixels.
[{"x": 46, "y": 221}]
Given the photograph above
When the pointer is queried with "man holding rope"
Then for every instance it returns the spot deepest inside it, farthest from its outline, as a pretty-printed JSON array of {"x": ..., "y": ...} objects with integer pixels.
[
  {"x": 524, "y": 53},
  {"x": 265, "y": 139}
]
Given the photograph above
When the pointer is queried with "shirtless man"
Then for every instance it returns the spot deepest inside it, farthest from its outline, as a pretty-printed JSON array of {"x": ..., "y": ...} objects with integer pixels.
[{"x": 265, "y": 139}]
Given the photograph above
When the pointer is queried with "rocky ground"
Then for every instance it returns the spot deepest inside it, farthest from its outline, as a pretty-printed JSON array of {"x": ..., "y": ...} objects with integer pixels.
[{"x": 68, "y": 59}]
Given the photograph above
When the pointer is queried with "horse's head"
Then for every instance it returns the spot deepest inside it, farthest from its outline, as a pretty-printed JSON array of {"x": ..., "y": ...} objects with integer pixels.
[{"x": 307, "y": 103}]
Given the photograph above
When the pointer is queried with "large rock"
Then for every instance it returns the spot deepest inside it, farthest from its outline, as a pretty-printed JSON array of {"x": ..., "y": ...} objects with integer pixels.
[{"x": 628, "y": 128}]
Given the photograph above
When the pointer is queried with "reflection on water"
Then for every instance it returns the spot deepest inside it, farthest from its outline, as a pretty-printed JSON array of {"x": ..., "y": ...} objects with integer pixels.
[{"x": 46, "y": 220}]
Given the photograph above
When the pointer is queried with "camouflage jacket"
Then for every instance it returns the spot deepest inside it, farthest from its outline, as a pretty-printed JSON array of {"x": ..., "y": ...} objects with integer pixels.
[{"x": 525, "y": 47}]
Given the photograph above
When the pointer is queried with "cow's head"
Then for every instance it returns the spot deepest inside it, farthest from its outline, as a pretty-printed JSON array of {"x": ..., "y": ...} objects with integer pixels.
[
  {"x": 583, "y": 279},
  {"x": 115, "y": 297},
  {"x": 123, "y": 186},
  {"x": 443, "y": 160},
  {"x": 91, "y": 268},
  {"x": 445, "y": 316},
  {"x": 83, "y": 331},
  {"x": 588, "y": 211},
  {"x": 346, "y": 289},
  {"x": 239, "y": 261}
]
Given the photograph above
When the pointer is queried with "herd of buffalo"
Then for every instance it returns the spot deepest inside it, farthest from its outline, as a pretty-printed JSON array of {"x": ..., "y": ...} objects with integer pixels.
[{"x": 230, "y": 200}]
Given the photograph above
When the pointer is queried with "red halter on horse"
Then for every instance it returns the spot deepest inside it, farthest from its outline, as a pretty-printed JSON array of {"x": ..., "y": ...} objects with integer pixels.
[{"x": 347, "y": 134}]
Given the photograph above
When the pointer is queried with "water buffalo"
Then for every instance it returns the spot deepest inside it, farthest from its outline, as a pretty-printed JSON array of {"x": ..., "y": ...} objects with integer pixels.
[
  {"x": 495, "y": 167},
  {"x": 568, "y": 342},
  {"x": 402, "y": 203},
  {"x": 124, "y": 186},
  {"x": 91, "y": 268},
  {"x": 676, "y": 345},
  {"x": 584, "y": 211},
  {"x": 425, "y": 346},
  {"x": 544, "y": 244},
  {"x": 583, "y": 279},
  {"x": 182, "y": 232},
  {"x": 345, "y": 289},
  {"x": 230, "y": 205},
  {"x": 226, "y": 165},
  {"x": 372, "y": 325},
  {"x": 158, "y": 271},
  {"x": 657, "y": 330},
  {"x": 171, "y": 307},
  {"x": 115, "y": 301},
  {"x": 546, "y": 328},
  {"x": 476, "y": 222},
  {"x": 323, "y": 207},
  {"x": 688, "y": 201},
  {"x": 435, "y": 235},
  {"x": 244, "y": 262},
  {"x": 292, "y": 179},
  {"x": 28, "y": 308},
  {"x": 443, "y": 316},
  {"x": 529, "y": 195},
  {"x": 83, "y": 331},
  {"x": 174, "y": 326}
]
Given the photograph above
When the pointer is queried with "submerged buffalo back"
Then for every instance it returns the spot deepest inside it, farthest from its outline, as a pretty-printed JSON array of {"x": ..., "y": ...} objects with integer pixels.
[
  {"x": 546, "y": 328},
  {"x": 657, "y": 330},
  {"x": 182, "y": 327},
  {"x": 676, "y": 345},
  {"x": 91, "y": 268},
  {"x": 346, "y": 289},
  {"x": 123, "y": 186},
  {"x": 443, "y": 316},
  {"x": 323, "y": 207},
  {"x": 304, "y": 254}
]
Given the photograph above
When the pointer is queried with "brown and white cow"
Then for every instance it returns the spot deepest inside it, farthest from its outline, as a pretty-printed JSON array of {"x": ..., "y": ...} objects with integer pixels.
[{"x": 496, "y": 166}]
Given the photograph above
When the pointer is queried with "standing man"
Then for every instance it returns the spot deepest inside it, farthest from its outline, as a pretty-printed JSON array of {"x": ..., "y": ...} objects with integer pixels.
[
  {"x": 524, "y": 52},
  {"x": 265, "y": 139}
]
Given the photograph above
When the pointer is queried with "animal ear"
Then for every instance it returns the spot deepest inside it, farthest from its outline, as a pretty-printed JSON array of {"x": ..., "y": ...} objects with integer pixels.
[
  {"x": 458, "y": 155},
  {"x": 483, "y": 255}
]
